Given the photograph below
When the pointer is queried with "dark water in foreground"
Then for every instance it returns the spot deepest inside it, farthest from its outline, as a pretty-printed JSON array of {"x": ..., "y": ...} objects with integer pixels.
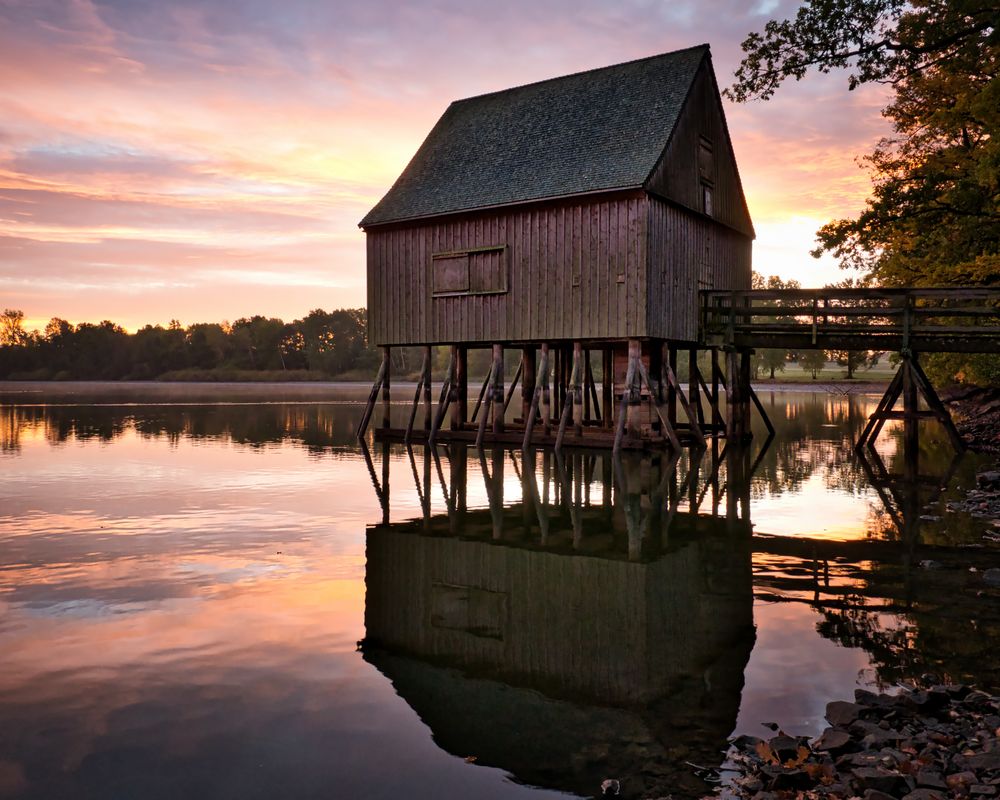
[{"x": 214, "y": 600}]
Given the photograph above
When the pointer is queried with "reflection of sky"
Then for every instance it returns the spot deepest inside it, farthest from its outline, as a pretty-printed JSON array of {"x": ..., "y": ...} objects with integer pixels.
[{"x": 204, "y": 601}]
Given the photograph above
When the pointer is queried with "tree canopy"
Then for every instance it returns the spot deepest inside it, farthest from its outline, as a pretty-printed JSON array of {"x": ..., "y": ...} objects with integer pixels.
[
  {"x": 934, "y": 214},
  {"x": 933, "y": 217}
]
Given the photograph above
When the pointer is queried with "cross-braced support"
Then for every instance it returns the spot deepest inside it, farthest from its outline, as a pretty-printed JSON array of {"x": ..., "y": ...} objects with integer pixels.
[{"x": 910, "y": 382}]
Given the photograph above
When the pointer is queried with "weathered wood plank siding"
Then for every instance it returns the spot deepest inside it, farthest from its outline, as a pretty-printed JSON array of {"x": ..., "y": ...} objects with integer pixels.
[
  {"x": 574, "y": 270},
  {"x": 681, "y": 173},
  {"x": 688, "y": 252}
]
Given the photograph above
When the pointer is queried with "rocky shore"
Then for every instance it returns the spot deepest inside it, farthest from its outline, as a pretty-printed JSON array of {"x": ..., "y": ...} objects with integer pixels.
[
  {"x": 937, "y": 743},
  {"x": 976, "y": 412}
]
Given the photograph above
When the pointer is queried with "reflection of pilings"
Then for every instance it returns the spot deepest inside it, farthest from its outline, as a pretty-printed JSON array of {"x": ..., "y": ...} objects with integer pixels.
[
  {"x": 904, "y": 494},
  {"x": 586, "y": 500}
]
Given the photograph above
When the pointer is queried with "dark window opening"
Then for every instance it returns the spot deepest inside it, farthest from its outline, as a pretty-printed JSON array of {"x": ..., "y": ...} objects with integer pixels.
[{"x": 480, "y": 270}]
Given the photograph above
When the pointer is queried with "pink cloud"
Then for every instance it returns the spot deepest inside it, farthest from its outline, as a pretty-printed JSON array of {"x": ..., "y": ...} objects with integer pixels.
[{"x": 138, "y": 137}]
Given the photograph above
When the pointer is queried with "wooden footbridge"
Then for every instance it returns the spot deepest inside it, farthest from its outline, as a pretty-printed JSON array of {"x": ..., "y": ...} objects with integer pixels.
[{"x": 906, "y": 321}]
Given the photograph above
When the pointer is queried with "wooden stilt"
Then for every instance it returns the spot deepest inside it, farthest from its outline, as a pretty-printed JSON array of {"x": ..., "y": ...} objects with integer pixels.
[
  {"x": 513, "y": 385},
  {"x": 541, "y": 387},
  {"x": 694, "y": 396},
  {"x": 672, "y": 389},
  {"x": 460, "y": 411},
  {"x": 424, "y": 380},
  {"x": 670, "y": 377},
  {"x": 443, "y": 400},
  {"x": 426, "y": 376},
  {"x": 660, "y": 406},
  {"x": 627, "y": 392},
  {"x": 482, "y": 392},
  {"x": 499, "y": 405},
  {"x": 586, "y": 386},
  {"x": 386, "y": 393},
  {"x": 595, "y": 404},
  {"x": 529, "y": 378},
  {"x": 936, "y": 406},
  {"x": 370, "y": 406},
  {"x": 570, "y": 404},
  {"x": 545, "y": 408},
  {"x": 738, "y": 396},
  {"x": 481, "y": 433},
  {"x": 576, "y": 388},
  {"x": 885, "y": 404},
  {"x": 657, "y": 395},
  {"x": 716, "y": 411},
  {"x": 607, "y": 387}
]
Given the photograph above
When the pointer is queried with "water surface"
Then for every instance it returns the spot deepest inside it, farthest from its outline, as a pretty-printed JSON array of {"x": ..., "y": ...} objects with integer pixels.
[{"x": 209, "y": 593}]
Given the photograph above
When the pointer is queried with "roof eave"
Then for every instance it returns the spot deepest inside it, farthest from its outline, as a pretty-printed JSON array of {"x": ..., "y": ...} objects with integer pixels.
[{"x": 496, "y": 206}]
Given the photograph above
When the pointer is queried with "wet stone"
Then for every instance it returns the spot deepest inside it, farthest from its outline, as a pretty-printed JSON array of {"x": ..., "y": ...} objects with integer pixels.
[
  {"x": 840, "y": 713},
  {"x": 926, "y": 794},
  {"x": 879, "y": 778},
  {"x": 832, "y": 740},
  {"x": 930, "y": 779}
]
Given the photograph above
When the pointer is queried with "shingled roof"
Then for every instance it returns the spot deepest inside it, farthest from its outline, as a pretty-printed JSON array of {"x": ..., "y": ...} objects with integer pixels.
[{"x": 591, "y": 131}]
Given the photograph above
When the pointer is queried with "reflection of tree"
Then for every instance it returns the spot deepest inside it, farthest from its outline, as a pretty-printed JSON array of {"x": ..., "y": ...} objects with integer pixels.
[
  {"x": 909, "y": 620},
  {"x": 816, "y": 433},
  {"x": 314, "y": 425}
]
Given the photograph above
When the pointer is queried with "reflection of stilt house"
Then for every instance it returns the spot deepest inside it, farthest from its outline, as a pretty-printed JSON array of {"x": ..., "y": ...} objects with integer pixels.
[
  {"x": 545, "y": 647},
  {"x": 565, "y": 218}
]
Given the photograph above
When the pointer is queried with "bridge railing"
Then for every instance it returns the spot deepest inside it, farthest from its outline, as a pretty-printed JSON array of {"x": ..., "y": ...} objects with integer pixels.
[{"x": 926, "y": 320}]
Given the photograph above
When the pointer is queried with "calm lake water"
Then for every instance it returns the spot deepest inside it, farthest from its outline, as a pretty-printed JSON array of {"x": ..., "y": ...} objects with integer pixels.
[{"x": 214, "y": 593}]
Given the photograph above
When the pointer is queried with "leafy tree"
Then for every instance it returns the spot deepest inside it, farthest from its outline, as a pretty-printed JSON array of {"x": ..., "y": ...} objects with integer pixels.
[
  {"x": 770, "y": 359},
  {"x": 852, "y": 360},
  {"x": 773, "y": 360},
  {"x": 12, "y": 331},
  {"x": 813, "y": 361},
  {"x": 208, "y": 345}
]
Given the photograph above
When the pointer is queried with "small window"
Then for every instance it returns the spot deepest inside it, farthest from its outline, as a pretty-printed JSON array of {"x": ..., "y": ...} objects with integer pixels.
[
  {"x": 706, "y": 160},
  {"x": 706, "y": 199},
  {"x": 481, "y": 270}
]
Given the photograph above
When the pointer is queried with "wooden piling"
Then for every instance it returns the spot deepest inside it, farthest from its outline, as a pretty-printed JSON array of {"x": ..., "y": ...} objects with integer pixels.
[
  {"x": 607, "y": 387},
  {"x": 498, "y": 392},
  {"x": 529, "y": 373},
  {"x": 577, "y": 390},
  {"x": 386, "y": 393}
]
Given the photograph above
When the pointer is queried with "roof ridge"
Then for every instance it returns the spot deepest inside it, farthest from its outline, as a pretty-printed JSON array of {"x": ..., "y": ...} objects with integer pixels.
[{"x": 703, "y": 46}]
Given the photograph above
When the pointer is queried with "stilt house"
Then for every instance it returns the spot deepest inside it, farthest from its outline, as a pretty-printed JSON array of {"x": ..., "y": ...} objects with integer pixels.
[{"x": 573, "y": 215}]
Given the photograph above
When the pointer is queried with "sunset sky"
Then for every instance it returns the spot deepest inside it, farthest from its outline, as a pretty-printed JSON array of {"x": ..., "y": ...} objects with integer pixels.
[{"x": 210, "y": 160}]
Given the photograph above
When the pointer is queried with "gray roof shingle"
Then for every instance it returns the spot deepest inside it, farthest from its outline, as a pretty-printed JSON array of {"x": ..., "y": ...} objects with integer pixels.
[{"x": 591, "y": 131}]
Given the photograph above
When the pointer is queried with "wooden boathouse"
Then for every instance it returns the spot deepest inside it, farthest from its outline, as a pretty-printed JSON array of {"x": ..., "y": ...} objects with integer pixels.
[{"x": 570, "y": 219}]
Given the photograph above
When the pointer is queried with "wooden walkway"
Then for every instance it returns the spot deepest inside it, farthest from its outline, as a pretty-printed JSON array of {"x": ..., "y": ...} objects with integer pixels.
[
  {"x": 942, "y": 320},
  {"x": 907, "y": 321}
]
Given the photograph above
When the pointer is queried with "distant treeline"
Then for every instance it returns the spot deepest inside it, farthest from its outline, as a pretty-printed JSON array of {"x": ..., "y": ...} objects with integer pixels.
[{"x": 320, "y": 345}]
